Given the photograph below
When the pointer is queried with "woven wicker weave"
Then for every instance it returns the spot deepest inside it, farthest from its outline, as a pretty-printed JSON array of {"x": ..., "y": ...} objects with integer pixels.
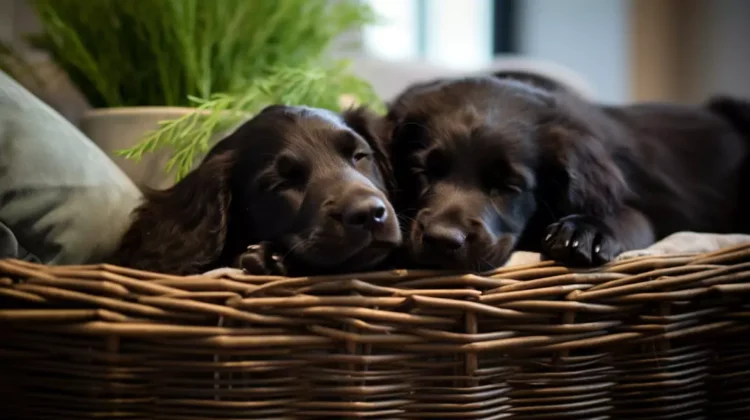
[{"x": 651, "y": 338}]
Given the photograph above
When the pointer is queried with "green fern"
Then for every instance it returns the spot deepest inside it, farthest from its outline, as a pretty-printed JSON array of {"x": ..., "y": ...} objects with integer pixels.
[{"x": 161, "y": 52}]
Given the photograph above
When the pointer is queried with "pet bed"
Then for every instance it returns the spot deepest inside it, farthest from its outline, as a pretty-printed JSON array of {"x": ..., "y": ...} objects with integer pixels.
[{"x": 662, "y": 335}]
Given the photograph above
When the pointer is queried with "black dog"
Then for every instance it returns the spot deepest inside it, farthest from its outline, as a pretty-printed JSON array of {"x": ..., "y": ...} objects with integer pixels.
[
  {"x": 312, "y": 182},
  {"x": 486, "y": 166}
]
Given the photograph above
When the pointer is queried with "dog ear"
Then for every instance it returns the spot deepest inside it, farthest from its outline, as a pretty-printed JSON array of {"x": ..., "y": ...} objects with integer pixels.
[
  {"x": 584, "y": 177},
  {"x": 377, "y": 132},
  {"x": 182, "y": 230}
]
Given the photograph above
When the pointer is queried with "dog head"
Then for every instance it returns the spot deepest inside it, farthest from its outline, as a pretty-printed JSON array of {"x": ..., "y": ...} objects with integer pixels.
[
  {"x": 311, "y": 181},
  {"x": 478, "y": 160}
]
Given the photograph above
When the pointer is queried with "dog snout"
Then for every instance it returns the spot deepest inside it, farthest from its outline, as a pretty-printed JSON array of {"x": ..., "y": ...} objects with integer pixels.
[
  {"x": 369, "y": 213},
  {"x": 359, "y": 210},
  {"x": 443, "y": 239}
]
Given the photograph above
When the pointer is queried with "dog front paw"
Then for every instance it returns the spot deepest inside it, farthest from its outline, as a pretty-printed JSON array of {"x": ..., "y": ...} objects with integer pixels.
[
  {"x": 581, "y": 241},
  {"x": 260, "y": 259}
]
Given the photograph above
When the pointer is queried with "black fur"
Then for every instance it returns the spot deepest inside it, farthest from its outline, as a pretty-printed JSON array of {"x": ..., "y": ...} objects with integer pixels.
[
  {"x": 486, "y": 166},
  {"x": 313, "y": 183}
]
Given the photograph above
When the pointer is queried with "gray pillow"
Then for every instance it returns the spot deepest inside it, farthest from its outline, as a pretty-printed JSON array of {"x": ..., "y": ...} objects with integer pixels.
[{"x": 62, "y": 200}]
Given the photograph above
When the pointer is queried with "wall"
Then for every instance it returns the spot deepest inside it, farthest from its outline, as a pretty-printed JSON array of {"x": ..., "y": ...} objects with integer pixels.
[
  {"x": 687, "y": 50},
  {"x": 16, "y": 20},
  {"x": 657, "y": 27},
  {"x": 717, "y": 51},
  {"x": 589, "y": 36}
]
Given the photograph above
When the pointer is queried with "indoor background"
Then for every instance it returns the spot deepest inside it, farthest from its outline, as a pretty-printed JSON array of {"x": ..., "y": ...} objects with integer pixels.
[{"x": 625, "y": 50}]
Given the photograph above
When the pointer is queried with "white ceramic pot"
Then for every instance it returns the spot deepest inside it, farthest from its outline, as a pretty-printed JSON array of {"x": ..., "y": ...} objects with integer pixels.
[{"x": 114, "y": 129}]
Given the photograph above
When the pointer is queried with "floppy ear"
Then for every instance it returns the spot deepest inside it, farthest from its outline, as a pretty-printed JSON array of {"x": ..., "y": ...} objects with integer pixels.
[
  {"x": 376, "y": 131},
  {"x": 182, "y": 230},
  {"x": 584, "y": 176}
]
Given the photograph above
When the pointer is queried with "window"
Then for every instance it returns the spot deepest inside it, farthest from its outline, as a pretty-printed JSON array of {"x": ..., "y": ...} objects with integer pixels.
[{"x": 457, "y": 34}]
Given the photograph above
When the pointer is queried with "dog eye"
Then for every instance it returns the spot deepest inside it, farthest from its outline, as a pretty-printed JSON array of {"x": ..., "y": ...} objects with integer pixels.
[
  {"x": 505, "y": 190},
  {"x": 290, "y": 170},
  {"x": 357, "y": 156}
]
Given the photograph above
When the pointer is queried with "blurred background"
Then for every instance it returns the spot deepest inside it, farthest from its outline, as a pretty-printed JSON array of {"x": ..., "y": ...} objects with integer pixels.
[
  {"x": 679, "y": 50},
  {"x": 623, "y": 50}
]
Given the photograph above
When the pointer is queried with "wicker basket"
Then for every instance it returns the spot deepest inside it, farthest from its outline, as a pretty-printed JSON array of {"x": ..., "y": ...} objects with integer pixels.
[{"x": 650, "y": 338}]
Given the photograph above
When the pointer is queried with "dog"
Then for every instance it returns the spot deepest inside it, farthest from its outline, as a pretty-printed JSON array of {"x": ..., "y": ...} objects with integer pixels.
[
  {"x": 488, "y": 165},
  {"x": 311, "y": 182}
]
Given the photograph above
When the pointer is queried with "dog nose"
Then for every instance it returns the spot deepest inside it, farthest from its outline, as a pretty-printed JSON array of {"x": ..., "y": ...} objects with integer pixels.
[
  {"x": 443, "y": 238},
  {"x": 368, "y": 213}
]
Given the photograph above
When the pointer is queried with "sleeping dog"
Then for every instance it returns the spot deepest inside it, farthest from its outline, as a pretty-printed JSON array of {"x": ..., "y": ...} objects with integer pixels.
[
  {"x": 489, "y": 165},
  {"x": 311, "y": 182}
]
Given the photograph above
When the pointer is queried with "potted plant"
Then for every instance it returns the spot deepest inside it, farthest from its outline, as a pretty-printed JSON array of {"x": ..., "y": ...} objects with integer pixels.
[{"x": 166, "y": 77}]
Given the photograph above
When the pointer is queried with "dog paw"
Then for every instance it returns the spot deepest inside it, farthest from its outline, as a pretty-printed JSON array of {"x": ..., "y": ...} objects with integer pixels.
[
  {"x": 259, "y": 259},
  {"x": 580, "y": 241}
]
